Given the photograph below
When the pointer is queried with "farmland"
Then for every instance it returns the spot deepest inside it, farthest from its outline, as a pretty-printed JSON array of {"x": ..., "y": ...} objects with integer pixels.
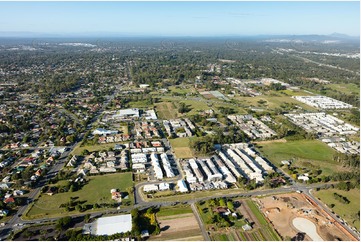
[
  {"x": 177, "y": 223},
  {"x": 247, "y": 213},
  {"x": 166, "y": 110}
]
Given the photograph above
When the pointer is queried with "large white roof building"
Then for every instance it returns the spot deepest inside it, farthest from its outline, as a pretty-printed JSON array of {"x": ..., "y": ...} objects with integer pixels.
[{"x": 112, "y": 225}]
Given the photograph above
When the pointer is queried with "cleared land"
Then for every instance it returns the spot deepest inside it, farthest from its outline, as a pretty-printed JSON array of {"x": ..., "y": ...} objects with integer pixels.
[
  {"x": 280, "y": 210},
  {"x": 166, "y": 110},
  {"x": 347, "y": 211},
  {"x": 96, "y": 191},
  {"x": 304, "y": 153},
  {"x": 181, "y": 148},
  {"x": 177, "y": 224}
]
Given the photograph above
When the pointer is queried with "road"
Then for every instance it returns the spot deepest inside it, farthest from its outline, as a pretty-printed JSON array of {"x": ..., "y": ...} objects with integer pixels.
[
  {"x": 200, "y": 223},
  {"x": 143, "y": 205}
]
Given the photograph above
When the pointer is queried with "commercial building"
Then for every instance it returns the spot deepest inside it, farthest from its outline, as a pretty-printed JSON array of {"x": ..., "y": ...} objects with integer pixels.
[{"x": 110, "y": 225}]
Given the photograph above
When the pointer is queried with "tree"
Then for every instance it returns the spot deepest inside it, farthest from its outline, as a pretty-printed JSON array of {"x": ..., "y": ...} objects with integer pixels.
[
  {"x": 63, "y": 223},
  {"x": 230, "y": 205},
  {"x": 222, "y": 202}
]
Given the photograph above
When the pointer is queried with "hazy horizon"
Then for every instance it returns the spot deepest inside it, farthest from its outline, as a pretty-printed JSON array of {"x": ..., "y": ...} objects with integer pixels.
[{"x": 178, "y": 19}]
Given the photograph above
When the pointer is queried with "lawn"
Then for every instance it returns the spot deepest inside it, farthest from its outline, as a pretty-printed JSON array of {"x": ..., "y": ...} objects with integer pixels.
[
  {"x": 170, "y": 211},
  {"x": 96, "y": 191},
  {"x": 166, "y": 110},
  {"x": 345, "y": 211},
  {"x": 302, "y": 152},
  {"x": 181, "y": 148}
]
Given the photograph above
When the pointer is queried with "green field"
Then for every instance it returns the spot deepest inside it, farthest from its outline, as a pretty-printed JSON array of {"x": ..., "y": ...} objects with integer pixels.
[
  {"x": 257, "y": 213},
  {"x": 98, "y": 147},
  {"x": 272, "y": 101},
  {"x": 349, "y": 88},
  {"x": 182, "y": 90},
  {"x": 345, "y": 211},
  {"x": 171, "y": 211},
  {"x": 305, "y": 149},
  {"x": 181, "y": 148},
  {"x": 96, "y": 191},
  {"x": 296, "y": 92},
  {"x": 302, "y": 152}
]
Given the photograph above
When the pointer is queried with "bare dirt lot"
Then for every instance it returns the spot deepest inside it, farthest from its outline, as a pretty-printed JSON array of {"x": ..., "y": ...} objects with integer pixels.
[
  {"x": 178, "y": 227},
  {"x": 282, "y": 209}
]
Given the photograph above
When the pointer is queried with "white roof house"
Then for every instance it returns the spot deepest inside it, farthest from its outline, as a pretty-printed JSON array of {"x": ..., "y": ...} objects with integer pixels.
[
  {"x": 303, "y": 177},
  {"x": 113, "y": 225},
  {"x": 164, "y": 186},
  {"x": 130, "y": 112},
  {"x": 182, "y": 187},
  {"x": 102, "y": 131},
  {"x": 150, "y": 115},
  {"x": 150, "y": 188}
]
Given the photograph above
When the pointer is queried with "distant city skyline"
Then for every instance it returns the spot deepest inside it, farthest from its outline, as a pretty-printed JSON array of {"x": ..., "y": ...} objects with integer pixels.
[{"x": 180, "y": 18}]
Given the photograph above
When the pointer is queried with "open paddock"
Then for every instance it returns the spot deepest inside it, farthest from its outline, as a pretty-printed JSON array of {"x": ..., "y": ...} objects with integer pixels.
[{"x": 181, "y": 226}]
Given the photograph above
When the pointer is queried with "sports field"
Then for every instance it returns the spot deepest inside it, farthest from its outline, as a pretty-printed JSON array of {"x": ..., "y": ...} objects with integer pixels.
[{"x": 96, "y": 191}]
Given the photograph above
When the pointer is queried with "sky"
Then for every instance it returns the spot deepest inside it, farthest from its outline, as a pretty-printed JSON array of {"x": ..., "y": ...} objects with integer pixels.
[{"x": 182, "y": 18}]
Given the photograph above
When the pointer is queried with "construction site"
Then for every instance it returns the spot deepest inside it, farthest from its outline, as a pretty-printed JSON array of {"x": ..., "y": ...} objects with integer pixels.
[{"x": 296, "y": 217}]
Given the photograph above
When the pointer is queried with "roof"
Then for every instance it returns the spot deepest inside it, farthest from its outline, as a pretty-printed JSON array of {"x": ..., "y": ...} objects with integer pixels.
[{"x": 113, "y": 225}]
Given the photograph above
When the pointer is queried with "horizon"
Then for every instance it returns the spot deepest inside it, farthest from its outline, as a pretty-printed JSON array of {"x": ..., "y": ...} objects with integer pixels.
[
  {"x": 177, "y": 19},
  {"x": 105, "y": 35}
]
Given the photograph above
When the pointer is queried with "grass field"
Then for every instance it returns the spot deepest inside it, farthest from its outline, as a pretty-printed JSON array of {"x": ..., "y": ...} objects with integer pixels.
[
  {"x": 166, "y": 110},
  {"x": 180, "y": 90},
  {"x": 302, "y": 151},
  {"x": 266, "y": 232},
  {"x": 98, "y": 147},
  {"x": 305, "y": 149},
  {"x": 96, "y": 191},
  {"x": 296, "y": 93},
  {"x": 349, "y": 88},
  {"x": 171, "y": 211},
  {"x": 273, "y": 101},
  {"x": 346, "y": 211},
  {"x": 181, "y": 148}
]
